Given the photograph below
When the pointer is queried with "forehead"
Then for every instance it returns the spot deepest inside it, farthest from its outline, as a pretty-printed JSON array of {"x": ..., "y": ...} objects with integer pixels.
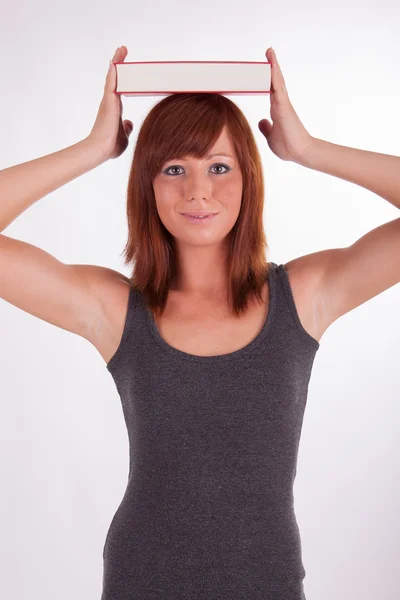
[
  {"x": 223, "y": 142},
  {"x": 222, "y": 147}
]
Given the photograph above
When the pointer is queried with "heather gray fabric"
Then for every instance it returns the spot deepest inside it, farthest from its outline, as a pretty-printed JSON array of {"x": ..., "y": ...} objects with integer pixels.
[{"x": 208, "y": 512}]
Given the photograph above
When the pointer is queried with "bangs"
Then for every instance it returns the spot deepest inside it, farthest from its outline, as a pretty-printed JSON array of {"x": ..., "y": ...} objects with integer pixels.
[{"x": 188, "y": 125}]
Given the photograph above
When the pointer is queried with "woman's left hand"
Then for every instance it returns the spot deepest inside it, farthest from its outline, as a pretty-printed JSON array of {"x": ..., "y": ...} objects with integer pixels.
[{"x": 287, "y": 137}]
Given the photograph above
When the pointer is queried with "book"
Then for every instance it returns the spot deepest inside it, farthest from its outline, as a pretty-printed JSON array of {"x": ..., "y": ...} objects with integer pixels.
[{"x": 161, "y": 78}]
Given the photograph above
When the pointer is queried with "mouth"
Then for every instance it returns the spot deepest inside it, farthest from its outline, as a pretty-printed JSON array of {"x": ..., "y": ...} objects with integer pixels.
[{"x": 199, "y": 218}]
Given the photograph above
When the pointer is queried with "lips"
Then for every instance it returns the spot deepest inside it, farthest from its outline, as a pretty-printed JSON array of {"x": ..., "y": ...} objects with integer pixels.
[
  {"x": 198, "y": 214},
  {"x": 196, "y": 219}
]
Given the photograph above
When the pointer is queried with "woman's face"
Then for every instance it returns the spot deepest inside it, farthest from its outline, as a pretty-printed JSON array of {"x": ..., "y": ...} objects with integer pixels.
[{"x": 213, "y": 184}]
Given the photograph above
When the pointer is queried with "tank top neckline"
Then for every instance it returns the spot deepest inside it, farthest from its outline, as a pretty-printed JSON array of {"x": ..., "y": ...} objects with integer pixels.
[{"x": 236, "y": 354}]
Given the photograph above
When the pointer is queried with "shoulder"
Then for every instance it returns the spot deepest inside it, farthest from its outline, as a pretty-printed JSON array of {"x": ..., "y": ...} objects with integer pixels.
[{"x": 306, "y": 278}]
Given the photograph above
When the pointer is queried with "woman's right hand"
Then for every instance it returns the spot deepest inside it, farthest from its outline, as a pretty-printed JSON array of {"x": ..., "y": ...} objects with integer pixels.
[{"x": 109, "y": 133}]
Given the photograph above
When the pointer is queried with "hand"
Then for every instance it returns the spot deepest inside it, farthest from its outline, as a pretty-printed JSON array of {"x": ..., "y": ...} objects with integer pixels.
[
  {"x": 287, "y": 136},
  {"x": 109, "y": 132}
]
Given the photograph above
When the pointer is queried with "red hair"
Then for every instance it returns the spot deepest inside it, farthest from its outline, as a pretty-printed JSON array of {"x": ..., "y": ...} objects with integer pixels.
[{"x": 184, "y": 125}]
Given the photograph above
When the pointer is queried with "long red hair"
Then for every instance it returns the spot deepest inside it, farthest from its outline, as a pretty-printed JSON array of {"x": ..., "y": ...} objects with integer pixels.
[{"x": 184, "y": 125}]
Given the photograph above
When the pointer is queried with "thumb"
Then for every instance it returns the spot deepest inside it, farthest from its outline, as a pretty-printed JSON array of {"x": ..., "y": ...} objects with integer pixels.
[
  {"x": 265, "y": 127},
  {"x": 128, "y": 127}
]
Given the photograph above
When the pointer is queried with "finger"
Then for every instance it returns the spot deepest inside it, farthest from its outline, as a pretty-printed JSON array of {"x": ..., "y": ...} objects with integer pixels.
[
  {"x": 111, "y": 78},
  {"x": 278, "y": 80}
]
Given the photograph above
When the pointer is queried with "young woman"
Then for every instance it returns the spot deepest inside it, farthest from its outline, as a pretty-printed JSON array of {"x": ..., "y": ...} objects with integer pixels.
[{"x": 210, "y": 346}]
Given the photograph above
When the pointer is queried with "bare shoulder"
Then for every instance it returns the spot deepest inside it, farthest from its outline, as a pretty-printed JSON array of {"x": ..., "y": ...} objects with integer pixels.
[
  {"x": 111, "y": 290},
  {"x": 306, "y": 276}
]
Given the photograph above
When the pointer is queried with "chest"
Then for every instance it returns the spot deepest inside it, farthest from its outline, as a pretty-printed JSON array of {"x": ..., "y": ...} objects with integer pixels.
[{"x": 205, "y": 329}]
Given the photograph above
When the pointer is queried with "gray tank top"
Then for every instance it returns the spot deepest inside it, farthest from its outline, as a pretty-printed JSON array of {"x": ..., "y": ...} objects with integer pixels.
[{"x": 208, "y": 511}]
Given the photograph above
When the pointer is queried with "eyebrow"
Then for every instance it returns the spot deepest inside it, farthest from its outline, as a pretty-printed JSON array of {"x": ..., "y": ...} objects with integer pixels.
[
  {"x": 219, "y": 154},
  {"x": 207, "y": 157}
]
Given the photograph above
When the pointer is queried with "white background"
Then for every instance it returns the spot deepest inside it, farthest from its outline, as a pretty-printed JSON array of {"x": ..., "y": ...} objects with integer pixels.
[{"x": 64, "y": 446}]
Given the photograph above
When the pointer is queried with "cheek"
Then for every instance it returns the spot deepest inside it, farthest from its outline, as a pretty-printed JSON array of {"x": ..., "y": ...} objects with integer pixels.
[
  {"x": 166, "y": 196},
  {"x": 231, "y": 190},
  {"x": 232, "y": 200},
  {"x": 166, "y": 204},
  {"x": 168, "y": 213}
]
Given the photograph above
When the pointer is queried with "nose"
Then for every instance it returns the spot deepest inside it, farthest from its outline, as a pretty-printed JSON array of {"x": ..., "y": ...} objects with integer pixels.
[{"x": 198, "y": 186}]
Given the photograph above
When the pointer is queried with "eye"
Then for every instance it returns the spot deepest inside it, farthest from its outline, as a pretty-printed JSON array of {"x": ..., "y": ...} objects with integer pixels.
[{"x": 216, "y": 165}]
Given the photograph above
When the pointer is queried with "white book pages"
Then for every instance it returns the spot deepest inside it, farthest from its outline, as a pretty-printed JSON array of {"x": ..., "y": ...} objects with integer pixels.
[{"x": 163, "y": 78}]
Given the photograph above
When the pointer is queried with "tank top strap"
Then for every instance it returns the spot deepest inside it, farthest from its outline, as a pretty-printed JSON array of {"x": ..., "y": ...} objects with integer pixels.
[
  {"x": 286, "y": 309},
  {"x": 130, "y": 310}
]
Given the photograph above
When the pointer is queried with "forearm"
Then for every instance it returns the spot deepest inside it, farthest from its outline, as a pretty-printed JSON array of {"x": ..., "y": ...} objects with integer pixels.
[
  {"x": 22, "y": 185},
  {"x": 379, "y": 173}
]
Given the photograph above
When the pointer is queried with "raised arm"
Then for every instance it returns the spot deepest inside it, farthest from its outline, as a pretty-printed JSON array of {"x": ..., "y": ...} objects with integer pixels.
[{"x": 70, "y": 296}]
